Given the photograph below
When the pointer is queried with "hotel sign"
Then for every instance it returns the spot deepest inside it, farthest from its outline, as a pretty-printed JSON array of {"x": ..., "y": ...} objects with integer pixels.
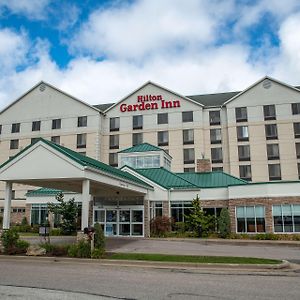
[{"x": 149, "y": 102}]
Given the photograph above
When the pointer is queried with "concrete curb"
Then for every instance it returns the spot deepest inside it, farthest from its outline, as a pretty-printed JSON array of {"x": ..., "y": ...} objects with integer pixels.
[{"x": 152, "y": 264}]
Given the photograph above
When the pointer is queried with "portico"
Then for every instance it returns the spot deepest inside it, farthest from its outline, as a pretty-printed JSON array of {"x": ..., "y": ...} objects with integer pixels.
[{"x": 45, "y": 164}]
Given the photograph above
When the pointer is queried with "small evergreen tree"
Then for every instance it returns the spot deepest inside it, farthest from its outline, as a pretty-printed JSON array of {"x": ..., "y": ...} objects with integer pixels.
[
  {"x": 198, "y": 220},
  {"x": 99, "y": 237},
  {"x": 68, "y": 211},
  {"x": 224, "y": 223}
]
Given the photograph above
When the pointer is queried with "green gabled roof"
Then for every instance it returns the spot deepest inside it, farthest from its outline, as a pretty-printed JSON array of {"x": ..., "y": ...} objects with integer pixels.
[
  {"x": 104, "y": 106},
  {"x": 212, "y": 179},
  {"x": 85, "y": 161},
  {"x": 45, "y": 192},
  {"x": 144, "y": 147},
  {"x": 165, "y": 178}
]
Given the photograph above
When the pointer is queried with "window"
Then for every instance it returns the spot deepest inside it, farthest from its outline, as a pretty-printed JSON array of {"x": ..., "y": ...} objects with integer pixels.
[
  {"x": 189, "y": 170},
  {"x": 188, "y": 156},
  {"x": 156, "y": 209},
  {"x": 298, "y": 150},
  {"x": 113, "y": 159},
  {"x": 180, "y": 209},
  {"x": 55, "y": 139},
  {"x": 215, "y": 136},
  {"x": 188, "y": 136},
  {"x": 297, "y": 130},
  {"x": 298, "y": 170},
  {"x": 162, "y": 118},
  {"x": 140, "y": 162},
  {"x": 241, "y": 114},
  {"x": 273, "y": 151},
  {"x": 81, "y": 140},
  {"x": 0, "y": 129},
  {"x": 36, "y": 125},
  {"x": 39, "y": 213},
  {"x": 13, "y": 194},
  {"x": 34, "y": 140},
  {"x": 245, "y": 172},
  {"x": 15, "y": 127},
  {"x": 163, "y": 138},
  {"x": 114, "y": 141},
  {"x": 274, "y": 172},
  {"x": 286, "y": 218},
  {"x": 114, "y": 124},
  {"x": 187, "y": 116},
  {"x": 216, "y": 155},
  {"x": 250, "y": 218},
  {"x": 216, "y": 169},
  {"x": 214, "y": 117},
  {"x": 271, "y": 131},
  {"x": 244, "y": 152},
  {"x": 56, "y": 124},
  {"x": 137, "y": 122},
  {"x": 82, "y": 121},
  {"x": 14, "y": 144},
  {"x": 242, "y": 133},
  {"x": 137, "y": 138},
  {"x": 269, "y": 112},
  {"x": 296, "y": 108}
]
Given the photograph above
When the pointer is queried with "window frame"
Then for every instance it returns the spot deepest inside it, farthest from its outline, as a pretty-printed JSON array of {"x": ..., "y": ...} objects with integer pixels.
[
  {"x": 114, "y": 141},
  {"x": 56, "y": 124},
  {"x": 114, "y": 124},
  {"x": 274, "y": 177},
  {"x": 134, "y": 137},
  {"x": 188, "y": 161},
  {"x": 266, "y": 110},
  {"x": 12, "y": 147},
  {"x": 161, "y": 119},
  {"x": 215, "y": 141},
  {"x": 216, "y": 160},
  {"x": 271, "y": 136},
  {"x": 244, "y": 158},
  {"x": 241, "y": 114},
  {"x": 36, "y": 126},
  {"x": 187, "y": 116},
  {"x": 212, "y": 119},
  {"x": 81, "y": 139},
  {"x": 137, "y": 122},
  {"x": 245, "y": 177},
  {"x": 15, "y": 127},
  {"x": 242, "y": 139},
  {"x": 273, "y": 157},
  {"x": 184, "y": 134},
  {"x": 163, "y": 134},
  {"x": 82, "y": 121}
]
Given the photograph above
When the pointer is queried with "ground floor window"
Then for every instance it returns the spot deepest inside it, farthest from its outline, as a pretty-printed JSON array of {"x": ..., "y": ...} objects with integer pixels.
[
  {"x": 156, "y": 209},
  {"x": 286, "y": 218},
  {"x": 39, "y": 214},
  {"x": 250, "y": 219},
  {"x": 180, "y": 209}
]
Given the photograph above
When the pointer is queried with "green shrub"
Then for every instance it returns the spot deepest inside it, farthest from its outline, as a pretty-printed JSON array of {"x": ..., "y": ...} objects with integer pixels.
[
  {"x": 48, "y": 247},
  {"x": 9, "y": 239},
  {"x": 35, "y": 228},
  {"x": 224, "y": 223},
  {"x": 97, "y": 253},
  {"x": 180, "y": 227},
  {"x": 56, "y": 232},
  {"x": 81, "y": 250},
  {"x": 99, "y": 239},
  {"x": 24, "y": 221},
  {"x": 160, "y": 226},
  {"x": 21, "y": 246}
]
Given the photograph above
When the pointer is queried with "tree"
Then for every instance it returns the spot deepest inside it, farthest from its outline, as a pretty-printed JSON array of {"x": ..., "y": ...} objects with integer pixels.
[
  {"x": 224, "y": 223},
  {"x": 68, "y": 211},
  {"x": 198, "y": 220}
]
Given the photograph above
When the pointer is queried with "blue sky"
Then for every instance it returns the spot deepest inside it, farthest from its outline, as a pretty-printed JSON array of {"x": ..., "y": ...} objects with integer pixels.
[{"x": 99, "y": 51}]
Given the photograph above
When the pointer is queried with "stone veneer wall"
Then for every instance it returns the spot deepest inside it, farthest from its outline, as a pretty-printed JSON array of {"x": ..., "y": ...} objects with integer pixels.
[
  {"x": 267, "y": 202},
  {"x": 146, "y": 218}
]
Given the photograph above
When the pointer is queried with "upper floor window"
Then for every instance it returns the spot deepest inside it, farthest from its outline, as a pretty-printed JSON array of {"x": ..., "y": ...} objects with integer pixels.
[
  {"x": 189, "y": 156},
  {"x": 137, "y": 138},
  {"x": 244, "y": 152},
  {"x": 36, "y": 125},
  {"x": 56, "y": 124},
  {"x": 163, "y": 138},
  {"x": 114, "y": 124},
  {"x": 296, "y": 108},
  {"x": 0, "y": 129},
  {"x": 81, "y": 140},
  {"x": 82, "y": 121},
  {"x": 215, "y": 169},
  {"x": 187, "y": 116},
  {"x": 245, "y": 172},
  {"x": 269, "y": 112},
  {"x": 242, "y": 133},
  {"x": 214, "y": 117},
  {"x": 189, "y": 170},
  {"x": 216, "y": 136},
  {"x": 55, "y": 139},
  {"x": 14, "y": 144},
  {"x": 137, "y": 122},
  {"x": 34, "y": 140},
  {"x": 297, "y": 130},
  {"x": 274, "y": 172},
  {"x": 298, "y": 150},
  {"x": 271, "y": 132},
  {"x": 241, "y": 114},
  {"x": 216, "y": 155},
  {"x": 114, "y": 141},
  {"x": 188, "y": 136},
  {"x": 273, "y": 151},
  {"x": 15, "y": 127},
  {"x": 113, "y": 159},
  {"x": 162, "y": 118}
]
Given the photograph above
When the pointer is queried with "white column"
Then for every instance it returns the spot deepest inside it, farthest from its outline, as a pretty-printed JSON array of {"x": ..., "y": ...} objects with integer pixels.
[
  {"x": 85, "y": 204},
  {"x": 7, "y": 205}
]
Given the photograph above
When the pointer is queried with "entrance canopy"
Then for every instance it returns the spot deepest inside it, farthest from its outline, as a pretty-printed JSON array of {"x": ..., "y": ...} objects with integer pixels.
[{"x": 46, "y": 164}]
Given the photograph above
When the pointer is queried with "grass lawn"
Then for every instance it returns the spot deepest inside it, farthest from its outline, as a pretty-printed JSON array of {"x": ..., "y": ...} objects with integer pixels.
[{"x": 192, "y": 258}]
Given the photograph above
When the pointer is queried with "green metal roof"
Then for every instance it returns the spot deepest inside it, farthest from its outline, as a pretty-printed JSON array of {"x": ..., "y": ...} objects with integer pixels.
[
  {"x": 144, "y": 147},
  {"x": 214, "y": 179},
  {"x": 45, "y": 192},
  {"x": 166, "y": 179},
  {"x": 85, "y": 161}
]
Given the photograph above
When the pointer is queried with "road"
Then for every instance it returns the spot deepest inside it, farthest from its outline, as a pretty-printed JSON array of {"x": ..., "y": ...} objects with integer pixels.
[{"x": 89, "y": 280}]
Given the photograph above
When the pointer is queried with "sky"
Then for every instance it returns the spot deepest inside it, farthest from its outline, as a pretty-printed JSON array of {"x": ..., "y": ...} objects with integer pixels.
[{"x": 100, "y": 51}]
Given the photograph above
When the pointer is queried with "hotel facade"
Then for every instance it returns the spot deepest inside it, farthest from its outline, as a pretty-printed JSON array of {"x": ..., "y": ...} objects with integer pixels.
[{"x": 250, "y": 140}]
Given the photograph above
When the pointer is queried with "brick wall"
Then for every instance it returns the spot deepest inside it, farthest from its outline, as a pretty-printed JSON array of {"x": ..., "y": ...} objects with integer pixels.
[
  {"x": 146, "y": 219},
  {"x": 166, "y": 208},
  {"x": 203, "y": 165}
]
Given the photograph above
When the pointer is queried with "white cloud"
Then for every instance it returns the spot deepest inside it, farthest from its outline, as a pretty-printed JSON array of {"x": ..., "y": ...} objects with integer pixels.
[{"x": 32, "y": 9}]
